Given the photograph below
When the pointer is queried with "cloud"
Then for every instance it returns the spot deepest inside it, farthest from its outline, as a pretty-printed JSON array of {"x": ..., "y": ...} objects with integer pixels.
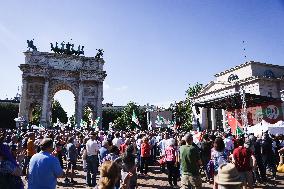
[{"x": 122, "y": 88}]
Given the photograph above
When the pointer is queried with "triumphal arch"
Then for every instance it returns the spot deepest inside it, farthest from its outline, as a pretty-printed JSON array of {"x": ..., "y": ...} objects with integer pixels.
[{"x": 44, "y": 74}]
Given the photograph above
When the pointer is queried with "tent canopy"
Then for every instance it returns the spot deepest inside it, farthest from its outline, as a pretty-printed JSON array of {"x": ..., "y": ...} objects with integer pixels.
[{"x": 234, "y": 101}]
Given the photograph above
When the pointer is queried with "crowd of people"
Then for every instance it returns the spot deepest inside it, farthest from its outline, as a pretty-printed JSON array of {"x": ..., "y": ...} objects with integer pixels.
[{"x": 119, "y": 157}]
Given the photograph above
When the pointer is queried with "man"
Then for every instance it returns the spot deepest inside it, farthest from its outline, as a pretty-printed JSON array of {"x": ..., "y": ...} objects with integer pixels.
[
  {"x": 72, "y": 155},
  {"x": 44, "y": 168},
  {"x": 242, "y": 156},
  {"x": 92, "y": 149},
  {"x": 117, "y": 141},
  {"x": 103, "y": 151},
  {"x": 30, "y": 150},
  {"x": 190, "y": 162}
]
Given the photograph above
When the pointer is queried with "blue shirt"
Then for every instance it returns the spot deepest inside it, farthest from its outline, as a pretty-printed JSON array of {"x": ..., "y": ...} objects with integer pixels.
[
  {"x": 103, "y": 153},
  {"x": 43, "y": 171}
]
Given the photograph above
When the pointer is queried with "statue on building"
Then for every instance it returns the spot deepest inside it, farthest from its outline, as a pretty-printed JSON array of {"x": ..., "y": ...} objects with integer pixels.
[
  {"x": 31, "y": 45},
  {"x": 99, "y": 54},
  {"x": 67, "y": 49}
]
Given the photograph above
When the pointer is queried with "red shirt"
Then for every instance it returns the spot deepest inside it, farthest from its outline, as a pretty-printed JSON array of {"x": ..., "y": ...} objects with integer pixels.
[
  {"x": 145, "y": 149},
  {"x": 123, "y": 148},
  {"x": 242, "y": 158}
]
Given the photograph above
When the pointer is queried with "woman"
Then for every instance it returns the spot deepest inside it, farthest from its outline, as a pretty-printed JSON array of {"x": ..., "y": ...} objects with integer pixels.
[
  {"x": 129, "y": 165},
  {"x": 218, "y": 156},
  {"x": 10, "y": 172},
  {"x": 145, "y": 155},
  {"x": 110, "y": 175},
  {"x": 171, "y": 161}
]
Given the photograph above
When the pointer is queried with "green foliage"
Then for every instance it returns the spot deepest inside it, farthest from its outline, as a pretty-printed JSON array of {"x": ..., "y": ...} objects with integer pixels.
[
  {"x": 86, "y": 115},
  {"x": 58, "y": 112},
  {"x": 110, "y": 116},
  {"x": 8, "y": 112},
  {"x": 36, "y": 114},
  {"x": 183, "y": 109},
  {"x": 124, "y": 122}
]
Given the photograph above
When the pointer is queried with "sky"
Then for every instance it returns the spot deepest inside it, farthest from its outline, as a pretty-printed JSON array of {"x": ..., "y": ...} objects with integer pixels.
[{"x": 153, "y": 48}]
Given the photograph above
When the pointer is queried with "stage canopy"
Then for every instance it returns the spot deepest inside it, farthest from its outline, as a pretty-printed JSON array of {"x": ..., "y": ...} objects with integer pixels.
[{"x": 234, "y": 101}]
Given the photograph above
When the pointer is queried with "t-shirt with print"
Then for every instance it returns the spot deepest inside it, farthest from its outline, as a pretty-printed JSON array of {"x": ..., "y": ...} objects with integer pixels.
[{"x": 189, "y": 157}]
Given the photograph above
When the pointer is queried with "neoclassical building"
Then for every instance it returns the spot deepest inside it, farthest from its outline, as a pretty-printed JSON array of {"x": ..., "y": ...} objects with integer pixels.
[{"x": 220, "y": 103}]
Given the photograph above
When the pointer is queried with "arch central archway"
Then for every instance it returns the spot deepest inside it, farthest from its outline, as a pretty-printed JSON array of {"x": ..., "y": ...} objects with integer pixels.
[{"x": 44, "y": 74}]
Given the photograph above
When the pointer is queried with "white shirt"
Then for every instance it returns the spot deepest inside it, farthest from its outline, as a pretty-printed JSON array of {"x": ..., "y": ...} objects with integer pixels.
[
  {"x": 117, "y": 142},
  {"x": 92, "y": 147}
]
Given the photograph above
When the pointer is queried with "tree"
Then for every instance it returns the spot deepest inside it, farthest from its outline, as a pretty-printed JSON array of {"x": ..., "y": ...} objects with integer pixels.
[
  {"x": 36, "y": 114},
  {"x": 8, "y": 112},
  {"x": 58, "y": 112},
  {"x": 183, "y": 109},
  {"x": 109, "y": 116},
  {"x": 124, "y": 122}
]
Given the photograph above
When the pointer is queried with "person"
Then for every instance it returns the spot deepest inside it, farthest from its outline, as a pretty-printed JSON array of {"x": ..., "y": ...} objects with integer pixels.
[
  {"x": 30, "y": 151},
  {"x": 242, "y": 156},
  {"x": 145, "y": 155},
  {"x": 123, "y": 146},
  {"x": 218, "y": 156},
  {"x": 171, "y": 161},
  {"x": 72, "y": 155},
  {"x": 103, "y": 151},
  {"x": 44, "y": 168},
  {"x": 92, "y": 149},
  {"x": 10, "y": 171},
  {"x": 228, "y": 177},
  {"x": 117, "y": 141},
  {"x": 110, "y": 175},
  {"x": 129, "y": 165},
  {"x": 190, "y": 162},
  {"x": 268, "y": 154},
  {"x": 206, "y": 146}
]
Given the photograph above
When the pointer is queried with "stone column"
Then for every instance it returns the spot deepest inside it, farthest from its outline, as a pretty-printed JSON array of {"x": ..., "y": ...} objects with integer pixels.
[
  {"x": 224, "y": 118},
  {"x": 204, "y": 119},
  {"x": 213, "y": 118},
  {"x": 44, "y": 104},
  {"x": 99, "y": 103},
  {"x": 79, "y": 107},
  {"x": 23, "y": 109}
]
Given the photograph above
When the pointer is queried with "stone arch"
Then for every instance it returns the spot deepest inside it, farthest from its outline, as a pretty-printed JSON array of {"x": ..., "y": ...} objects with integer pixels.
[{"x": 44, "y": 74}]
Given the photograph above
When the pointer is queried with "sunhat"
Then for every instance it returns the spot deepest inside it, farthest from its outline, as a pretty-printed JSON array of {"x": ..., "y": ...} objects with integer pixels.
[{"x": 228, "y": 175}]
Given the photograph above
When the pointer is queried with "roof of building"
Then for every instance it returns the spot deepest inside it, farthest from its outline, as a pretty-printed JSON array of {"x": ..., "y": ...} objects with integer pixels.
[{"x": 246, "y": 64}]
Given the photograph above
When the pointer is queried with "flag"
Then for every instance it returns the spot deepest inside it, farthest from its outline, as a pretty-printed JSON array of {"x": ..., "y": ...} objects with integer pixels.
[
  {"x": 239, "y": 131},
  {"x": 160, "y": 119},
  {"x": 135, "y": 119},
  {"x": 96, "y": 122}
]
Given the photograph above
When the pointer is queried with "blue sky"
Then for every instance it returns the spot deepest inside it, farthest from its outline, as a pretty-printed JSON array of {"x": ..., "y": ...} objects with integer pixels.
[{"x": 153, "y": 48}]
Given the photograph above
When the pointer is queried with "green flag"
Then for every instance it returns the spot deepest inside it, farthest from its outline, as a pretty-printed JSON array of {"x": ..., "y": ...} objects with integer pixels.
[
  {"x": 135, "y": 119},
  {"x": 96, "y": 122},
  {"x": 239, "y": 131}
]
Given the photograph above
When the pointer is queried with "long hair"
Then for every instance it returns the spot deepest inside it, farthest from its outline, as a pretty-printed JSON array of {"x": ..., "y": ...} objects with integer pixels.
[
  {"x": 219, "y": 144},
  {"x": 109, "y": 174}
]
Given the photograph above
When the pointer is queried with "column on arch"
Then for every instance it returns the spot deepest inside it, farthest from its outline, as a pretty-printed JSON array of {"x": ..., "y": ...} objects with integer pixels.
[
  {"x": 79, "y": 105},
  {"x": 44, "y": 115},
  {"x": 23, "y": 110},
  {"x": 99, "y": 102}
]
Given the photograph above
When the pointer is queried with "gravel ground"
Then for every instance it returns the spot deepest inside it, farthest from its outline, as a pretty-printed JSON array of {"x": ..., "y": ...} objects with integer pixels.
[{"x": 156, "y": 180}]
